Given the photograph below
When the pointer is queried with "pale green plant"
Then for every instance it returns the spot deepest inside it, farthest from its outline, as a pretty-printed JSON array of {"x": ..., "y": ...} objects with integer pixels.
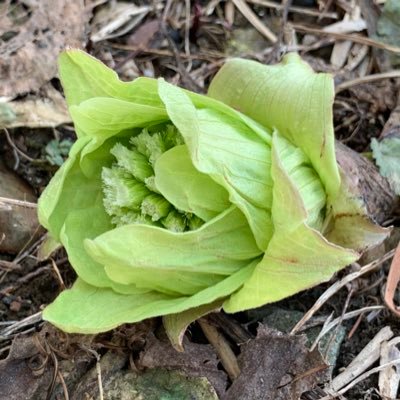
[{"x": 174, "y": 204}]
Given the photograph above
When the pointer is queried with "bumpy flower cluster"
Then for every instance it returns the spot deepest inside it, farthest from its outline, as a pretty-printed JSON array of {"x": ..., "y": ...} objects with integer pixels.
[{"x": 130, "y": 193}]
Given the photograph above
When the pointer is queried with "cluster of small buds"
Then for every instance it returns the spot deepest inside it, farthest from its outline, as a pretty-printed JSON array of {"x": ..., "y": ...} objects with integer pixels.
[{"x": 130, "y": 193}]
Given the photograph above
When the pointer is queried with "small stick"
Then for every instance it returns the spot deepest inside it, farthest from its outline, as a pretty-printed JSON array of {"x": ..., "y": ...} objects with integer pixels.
[
  {"x": 225, "y": 353},
  {"x": 254, "y": 20},
  {"x": 331, "y": 324},
  {"x": 366, "y": 79},
  {"x": 294, "y": 9},
  {"x": 31, "y": 320},
  {"x": 14, "y": 202},
  {"x": 58, "y": 274},
  {"x": 345, "y": 36},
  {"x": 98, "y": 371},
  {"x": 14, "y": 146}
]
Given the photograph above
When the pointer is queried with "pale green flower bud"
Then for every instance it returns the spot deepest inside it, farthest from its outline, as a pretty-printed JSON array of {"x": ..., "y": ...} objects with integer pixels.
[
  {"x": 155, "y": 206},
  {"x": 151, "y": 184},
  {"x": 121, "y": 189},
  {"x": 174, "y": 221},
  {"x": 194, "y": 222},
  {"x": 132, "y": 161},
  {"x": 151, "y": 146}
]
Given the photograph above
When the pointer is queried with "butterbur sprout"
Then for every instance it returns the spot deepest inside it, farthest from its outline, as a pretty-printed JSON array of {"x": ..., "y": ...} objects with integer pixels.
[{"x": 175, "y": 204}]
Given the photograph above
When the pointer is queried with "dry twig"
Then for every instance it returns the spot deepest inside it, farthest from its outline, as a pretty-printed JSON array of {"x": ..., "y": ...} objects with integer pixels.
[
  {"x": 225, "y": 353},
  {"x": 366, "y": 79},
  {"x": 337, "y": 286},
  {"x": 254, "y": 20}
]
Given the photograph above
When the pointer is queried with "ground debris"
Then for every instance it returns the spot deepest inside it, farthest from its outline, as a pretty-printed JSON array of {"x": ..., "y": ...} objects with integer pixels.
[
  {"x": 276, "y": 366},
  {"x": 198, "y": 360},
  {"x": 29, "y": 49},
  {"x": 48, "y": 109},
  {"x": 21, "y": 375},
  {"x": 156, "y": 384}
]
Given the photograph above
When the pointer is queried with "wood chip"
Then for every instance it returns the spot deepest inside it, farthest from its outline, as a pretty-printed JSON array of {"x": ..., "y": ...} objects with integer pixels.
[{"x": 389, "y": 377}]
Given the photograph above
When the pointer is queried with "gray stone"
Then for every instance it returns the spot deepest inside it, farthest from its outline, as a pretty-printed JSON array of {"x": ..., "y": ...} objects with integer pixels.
[{"x": 18, "y": 222}]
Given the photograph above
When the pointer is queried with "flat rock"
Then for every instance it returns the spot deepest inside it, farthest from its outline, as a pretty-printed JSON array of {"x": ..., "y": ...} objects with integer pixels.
[{"x": 18, "y": 222}]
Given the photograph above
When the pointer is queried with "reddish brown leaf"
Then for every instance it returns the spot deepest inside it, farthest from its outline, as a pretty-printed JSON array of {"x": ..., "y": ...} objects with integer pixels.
[{"x": 392, "y": 282}]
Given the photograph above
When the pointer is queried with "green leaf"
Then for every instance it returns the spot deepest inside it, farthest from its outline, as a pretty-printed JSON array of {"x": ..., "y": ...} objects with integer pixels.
[
  {"x": 84, "y": 77},
  {"x": 61, "y": 196},
  {"x": 88, "y": 309},
  {"x": 229, "y": 152},
  {"x": 176, "y": 324},
  {"x": 349, "y": 223},
  {"x": 80, "y": 225},
  {"x": 387, "y": 156},
  {"x": 304, "y": 178},
  {"x": 186, "y": 188},
  {"x": 298, "y": 257},
  {"x": 288, "y": 97},
  {"x": 173, "y": 263},
  {"x": 103, "y": 117},
  {"x": 47, "y": 248}
]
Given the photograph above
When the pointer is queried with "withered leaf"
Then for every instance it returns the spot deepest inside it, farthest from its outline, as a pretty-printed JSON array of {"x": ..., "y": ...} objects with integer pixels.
[
  {"x": 28, "y": 54},
  {"x": 276, "y": 366}
]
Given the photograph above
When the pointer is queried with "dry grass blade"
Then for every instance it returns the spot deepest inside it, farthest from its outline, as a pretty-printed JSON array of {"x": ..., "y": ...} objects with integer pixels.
[
  {"x": 31, "y": 320},
  {"x": 392, "y": 282},
  {"x": 345, "y": 36},
  {"x": 205, "y": 56},
  {"x": 294, "y": 9},
  {"x": 367, "y": 79},
  {"x": 5, "y": 201},
  {"x": 337, "y": 286},
  {"x": 331, "y": 324},
  {"x": 254, "y": 20}
]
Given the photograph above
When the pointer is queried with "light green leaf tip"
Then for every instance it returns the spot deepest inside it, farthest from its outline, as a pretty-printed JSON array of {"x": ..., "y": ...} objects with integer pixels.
[{"x": 290, "y": 98}]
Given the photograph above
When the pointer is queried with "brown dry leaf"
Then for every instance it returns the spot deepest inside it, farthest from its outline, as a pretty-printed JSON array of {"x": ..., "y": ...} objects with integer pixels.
[
  {"x": 18, "y": 378},
  {"x": 28, "y": 55},
  {"x": 392, "y": 282},
  {"x": 144, "y": 35},
  {"x": 380, "y": 95},
  {"x": 198, "y": 360},
  {"x": 117, "y": 19},
  {"x": 276, "y": 366},
  {"x": 47, "y": 110}
]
